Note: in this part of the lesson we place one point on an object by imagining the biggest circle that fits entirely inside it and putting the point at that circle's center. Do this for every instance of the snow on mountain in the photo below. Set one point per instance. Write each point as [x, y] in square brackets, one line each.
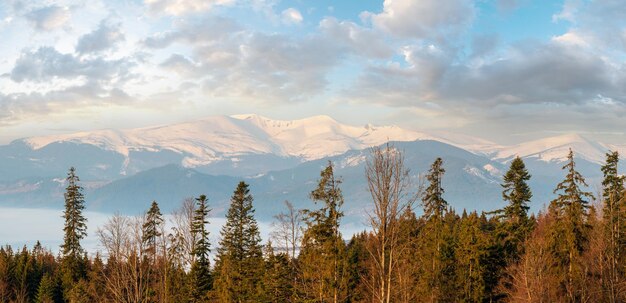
[220, 137]
[555, 149]
[229, 138]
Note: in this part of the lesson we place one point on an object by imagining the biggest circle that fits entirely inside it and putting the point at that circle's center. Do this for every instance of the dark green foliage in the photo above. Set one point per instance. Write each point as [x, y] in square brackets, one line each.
[75, 229]
[570, 232]
[152, 230]
[614, 231]
[323, 250]
[239, 263]
[434, 204]
[75, 223]
[567, 254]
[200, 276]
[357, 256]
[47, 290]
[278, 278]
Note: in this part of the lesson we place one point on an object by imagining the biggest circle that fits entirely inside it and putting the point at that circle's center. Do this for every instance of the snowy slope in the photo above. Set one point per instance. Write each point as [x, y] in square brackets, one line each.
[217, 138]
[555, 149]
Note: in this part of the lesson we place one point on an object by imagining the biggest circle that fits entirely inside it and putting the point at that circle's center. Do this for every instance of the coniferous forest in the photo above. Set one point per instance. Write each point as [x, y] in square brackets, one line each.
[417, 248]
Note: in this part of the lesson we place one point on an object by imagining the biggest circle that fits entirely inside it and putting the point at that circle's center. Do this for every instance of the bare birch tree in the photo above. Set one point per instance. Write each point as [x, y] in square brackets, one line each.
[389, 184]
[288, 229]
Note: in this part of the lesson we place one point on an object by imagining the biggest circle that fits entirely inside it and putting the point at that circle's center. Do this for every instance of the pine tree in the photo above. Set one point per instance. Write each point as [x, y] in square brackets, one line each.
[47, 290]
[278, 277]
[569, 234]
[434, 204]
[73, 267]
[516, 192]
[322, 246]
[75, 223]
[471, 256]
[150, 233]
[152, 230]
[614, 224]
[239, 263]
[436, 243]
[201, 280]
[513, 225]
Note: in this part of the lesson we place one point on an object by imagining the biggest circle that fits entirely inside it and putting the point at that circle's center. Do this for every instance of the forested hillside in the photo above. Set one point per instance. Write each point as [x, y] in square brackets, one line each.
[574, 250]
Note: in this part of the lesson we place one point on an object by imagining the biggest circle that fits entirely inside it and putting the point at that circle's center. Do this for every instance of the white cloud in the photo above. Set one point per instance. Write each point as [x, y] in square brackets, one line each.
[568, 12]
[292, 16]
[49, 18]
[356, 39]
[182, 7]
[103, 38]
[424, 18]
[572, 37]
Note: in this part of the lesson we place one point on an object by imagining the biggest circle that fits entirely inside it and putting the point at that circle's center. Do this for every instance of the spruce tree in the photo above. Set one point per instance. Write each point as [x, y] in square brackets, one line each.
[471, 256]
[513, 225]
[239, 263]
[278, 277]
[436, 243]
[200, 275]
[73, 267]
[614, 224]
[152, 230]
[322, 246]
[569, 234]
[75, 223]
[434, 204]
[46, 290]
[150, 233]
[516, 192]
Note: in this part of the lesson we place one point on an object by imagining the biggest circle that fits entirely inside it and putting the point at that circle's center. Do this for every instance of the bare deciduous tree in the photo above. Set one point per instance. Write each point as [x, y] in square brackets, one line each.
[126, 275]
[389, 184]
[183, 239]
[288, 229]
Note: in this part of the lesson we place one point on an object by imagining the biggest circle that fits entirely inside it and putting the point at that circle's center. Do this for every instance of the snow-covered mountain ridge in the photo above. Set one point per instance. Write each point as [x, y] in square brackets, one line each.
[222, 137]
[227, 138]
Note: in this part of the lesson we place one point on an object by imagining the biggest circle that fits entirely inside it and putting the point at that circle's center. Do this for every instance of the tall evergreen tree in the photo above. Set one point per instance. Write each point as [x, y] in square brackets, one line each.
[614, 225]
[73, 267]
[75, 223]
[513, 225]
[152, 230]
[46, 290]
[322, 246]
[201, 280]
[239, 263]
[516, 192]
[150, 233]
[434, 204]
[278, 277]
[471, 256]
[569, 234]
[437, 242]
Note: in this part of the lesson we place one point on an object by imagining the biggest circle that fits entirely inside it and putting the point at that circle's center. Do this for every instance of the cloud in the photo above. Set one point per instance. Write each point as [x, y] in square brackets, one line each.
[269, 69]
[182, 7]
[291, 16]
[103, 38]
[425, 18]
[205, 30]
[48, 18]
[483, 45]
[508, 5]
[247, 65]
[17, 106]
[356, 39]
[46, 63]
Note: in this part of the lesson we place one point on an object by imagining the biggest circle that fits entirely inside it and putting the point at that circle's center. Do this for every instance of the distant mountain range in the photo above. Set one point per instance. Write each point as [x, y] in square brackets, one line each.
[124, 170]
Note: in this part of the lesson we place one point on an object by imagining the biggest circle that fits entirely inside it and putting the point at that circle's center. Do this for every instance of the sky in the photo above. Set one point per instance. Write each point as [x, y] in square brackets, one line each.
[504, 70]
